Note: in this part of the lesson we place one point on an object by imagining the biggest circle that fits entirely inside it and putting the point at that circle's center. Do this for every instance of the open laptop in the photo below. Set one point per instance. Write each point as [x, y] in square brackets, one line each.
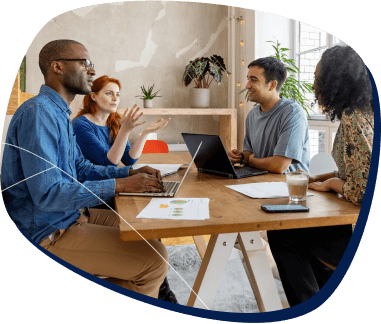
[212, 157]
[171, 187]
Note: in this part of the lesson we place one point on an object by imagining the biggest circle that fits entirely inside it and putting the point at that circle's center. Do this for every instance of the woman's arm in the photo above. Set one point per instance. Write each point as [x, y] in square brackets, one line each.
[358, 136]
[128, 123]
[357, 157]
[334, 184]
[137, 148]
[321, 177]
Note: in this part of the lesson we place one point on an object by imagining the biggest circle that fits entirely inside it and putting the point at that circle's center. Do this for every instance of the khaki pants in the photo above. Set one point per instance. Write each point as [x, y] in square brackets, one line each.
[93, 245]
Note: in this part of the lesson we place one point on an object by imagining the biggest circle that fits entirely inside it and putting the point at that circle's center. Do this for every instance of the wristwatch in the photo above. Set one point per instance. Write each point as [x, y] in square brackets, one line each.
[243, 158]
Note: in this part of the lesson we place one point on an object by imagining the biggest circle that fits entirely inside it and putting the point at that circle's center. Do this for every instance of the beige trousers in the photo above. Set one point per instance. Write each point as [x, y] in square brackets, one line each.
[93, 245]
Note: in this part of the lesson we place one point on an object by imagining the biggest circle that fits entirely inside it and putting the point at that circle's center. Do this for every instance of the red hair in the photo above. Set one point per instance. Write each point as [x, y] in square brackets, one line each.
[90, 106]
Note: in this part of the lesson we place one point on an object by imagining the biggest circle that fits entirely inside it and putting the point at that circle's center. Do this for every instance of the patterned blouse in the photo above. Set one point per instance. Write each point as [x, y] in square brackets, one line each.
[352, 152]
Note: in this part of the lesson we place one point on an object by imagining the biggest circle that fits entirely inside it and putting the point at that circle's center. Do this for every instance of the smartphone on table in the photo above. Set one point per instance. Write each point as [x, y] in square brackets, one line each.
[285, 208]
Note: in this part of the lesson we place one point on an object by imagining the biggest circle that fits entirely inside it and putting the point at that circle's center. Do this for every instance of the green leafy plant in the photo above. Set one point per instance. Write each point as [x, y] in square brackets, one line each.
[147, 94]
[292, 88]
[204, 70]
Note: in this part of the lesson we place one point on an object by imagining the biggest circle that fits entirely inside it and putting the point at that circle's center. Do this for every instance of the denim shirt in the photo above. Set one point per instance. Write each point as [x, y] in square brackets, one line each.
[45, 154]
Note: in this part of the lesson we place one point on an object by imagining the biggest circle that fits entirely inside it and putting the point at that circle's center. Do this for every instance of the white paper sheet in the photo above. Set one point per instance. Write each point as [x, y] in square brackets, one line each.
[180, 209]
[264, 189]
[165, 169]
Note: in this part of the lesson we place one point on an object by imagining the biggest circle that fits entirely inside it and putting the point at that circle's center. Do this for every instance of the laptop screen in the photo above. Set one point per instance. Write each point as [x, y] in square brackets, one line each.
[212, 154]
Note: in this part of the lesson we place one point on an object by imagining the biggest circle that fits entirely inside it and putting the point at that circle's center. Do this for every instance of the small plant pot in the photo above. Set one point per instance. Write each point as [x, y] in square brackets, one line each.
[199, 98]
[147, 103]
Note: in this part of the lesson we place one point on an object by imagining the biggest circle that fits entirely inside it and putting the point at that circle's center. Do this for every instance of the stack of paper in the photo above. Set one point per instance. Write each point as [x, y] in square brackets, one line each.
[180, 208]
[264, 189]
[165, 169]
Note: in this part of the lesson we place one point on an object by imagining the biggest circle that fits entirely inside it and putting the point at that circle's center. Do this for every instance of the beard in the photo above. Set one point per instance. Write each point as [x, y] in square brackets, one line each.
[77, 84]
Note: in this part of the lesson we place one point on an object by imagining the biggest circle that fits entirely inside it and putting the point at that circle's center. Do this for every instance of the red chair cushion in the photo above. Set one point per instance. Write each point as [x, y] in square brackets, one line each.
[154, 146]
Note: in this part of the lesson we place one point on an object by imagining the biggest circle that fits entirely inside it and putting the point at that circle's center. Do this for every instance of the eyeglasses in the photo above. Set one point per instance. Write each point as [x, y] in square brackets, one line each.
[87, 62]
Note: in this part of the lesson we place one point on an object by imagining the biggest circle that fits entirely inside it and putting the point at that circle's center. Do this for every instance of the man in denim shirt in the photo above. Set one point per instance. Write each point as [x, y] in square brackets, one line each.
[42, 150]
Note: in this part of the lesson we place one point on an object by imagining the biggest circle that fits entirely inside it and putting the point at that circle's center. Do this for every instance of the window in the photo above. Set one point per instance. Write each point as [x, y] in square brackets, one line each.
[310, 44]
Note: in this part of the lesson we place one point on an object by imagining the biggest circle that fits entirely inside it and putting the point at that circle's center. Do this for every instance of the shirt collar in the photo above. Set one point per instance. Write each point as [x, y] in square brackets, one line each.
[56, 98]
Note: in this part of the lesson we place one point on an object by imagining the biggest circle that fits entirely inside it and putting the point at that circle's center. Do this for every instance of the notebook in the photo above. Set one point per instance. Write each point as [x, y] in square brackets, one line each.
[212, 157]
[171, 187]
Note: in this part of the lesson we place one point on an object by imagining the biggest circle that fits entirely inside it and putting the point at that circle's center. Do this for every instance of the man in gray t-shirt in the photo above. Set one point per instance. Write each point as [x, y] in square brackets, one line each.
[276, 136]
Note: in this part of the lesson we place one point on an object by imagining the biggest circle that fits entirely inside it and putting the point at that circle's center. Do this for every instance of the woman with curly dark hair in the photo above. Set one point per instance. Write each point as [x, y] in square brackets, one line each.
[343, 88]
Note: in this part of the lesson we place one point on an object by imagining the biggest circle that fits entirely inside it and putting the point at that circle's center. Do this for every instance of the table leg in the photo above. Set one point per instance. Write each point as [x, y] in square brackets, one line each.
[212, 268]
[259, 272]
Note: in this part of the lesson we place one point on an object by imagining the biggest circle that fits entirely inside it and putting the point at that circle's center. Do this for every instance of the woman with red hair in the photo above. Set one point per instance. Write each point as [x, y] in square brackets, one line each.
[102, 133]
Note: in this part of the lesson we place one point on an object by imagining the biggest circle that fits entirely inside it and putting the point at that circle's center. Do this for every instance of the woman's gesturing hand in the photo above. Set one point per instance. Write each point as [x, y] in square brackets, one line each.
[130, 118]
[155, 126]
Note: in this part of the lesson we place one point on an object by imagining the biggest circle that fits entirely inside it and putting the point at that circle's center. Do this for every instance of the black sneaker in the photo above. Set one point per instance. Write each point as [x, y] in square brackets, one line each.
[165, 293]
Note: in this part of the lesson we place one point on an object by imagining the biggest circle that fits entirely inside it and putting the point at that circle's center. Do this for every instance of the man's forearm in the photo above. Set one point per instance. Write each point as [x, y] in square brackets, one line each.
[274, 164]
[246, 155]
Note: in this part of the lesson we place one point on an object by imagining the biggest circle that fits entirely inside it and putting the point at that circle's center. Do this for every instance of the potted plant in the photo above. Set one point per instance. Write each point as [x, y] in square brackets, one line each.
[292, 88]
[203, 71]
[148, 96]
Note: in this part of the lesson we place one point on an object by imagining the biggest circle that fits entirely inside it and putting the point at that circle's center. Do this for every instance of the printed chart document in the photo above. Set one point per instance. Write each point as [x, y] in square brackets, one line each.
[181, 209]
[264, 189]
[165, 169]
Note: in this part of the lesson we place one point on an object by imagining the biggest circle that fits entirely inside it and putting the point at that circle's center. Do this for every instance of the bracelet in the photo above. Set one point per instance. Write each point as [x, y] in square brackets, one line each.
[243, 158]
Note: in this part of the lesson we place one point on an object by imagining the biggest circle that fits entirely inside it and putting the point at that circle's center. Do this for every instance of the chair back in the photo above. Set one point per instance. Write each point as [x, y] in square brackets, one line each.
[322, 163]
[155, 146]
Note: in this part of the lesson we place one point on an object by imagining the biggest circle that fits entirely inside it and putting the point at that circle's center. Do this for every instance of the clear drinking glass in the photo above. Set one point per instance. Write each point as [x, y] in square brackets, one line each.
[297, 184]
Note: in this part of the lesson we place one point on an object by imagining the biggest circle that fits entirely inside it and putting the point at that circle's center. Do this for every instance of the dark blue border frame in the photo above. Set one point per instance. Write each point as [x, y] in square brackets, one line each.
[284, 314]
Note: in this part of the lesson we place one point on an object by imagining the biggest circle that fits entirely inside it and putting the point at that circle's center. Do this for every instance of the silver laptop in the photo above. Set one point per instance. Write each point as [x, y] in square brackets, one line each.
[171, 187]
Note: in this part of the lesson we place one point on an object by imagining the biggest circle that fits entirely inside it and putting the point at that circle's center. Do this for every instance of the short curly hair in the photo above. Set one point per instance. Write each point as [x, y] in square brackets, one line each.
[343, 82]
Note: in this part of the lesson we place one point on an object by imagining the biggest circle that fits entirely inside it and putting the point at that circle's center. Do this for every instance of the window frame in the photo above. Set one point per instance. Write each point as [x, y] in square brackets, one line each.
[330, 42]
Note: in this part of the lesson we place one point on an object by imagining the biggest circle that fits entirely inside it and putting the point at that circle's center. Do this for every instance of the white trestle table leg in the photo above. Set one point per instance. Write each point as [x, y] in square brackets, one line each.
[212, 268]
[259, 272]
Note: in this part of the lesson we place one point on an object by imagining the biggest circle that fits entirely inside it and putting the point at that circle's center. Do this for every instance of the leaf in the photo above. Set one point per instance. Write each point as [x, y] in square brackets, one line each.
[290, 69]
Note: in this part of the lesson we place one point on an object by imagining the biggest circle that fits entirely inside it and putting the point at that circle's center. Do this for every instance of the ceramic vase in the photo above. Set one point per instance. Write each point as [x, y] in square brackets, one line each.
[147, 103]
[199, 98]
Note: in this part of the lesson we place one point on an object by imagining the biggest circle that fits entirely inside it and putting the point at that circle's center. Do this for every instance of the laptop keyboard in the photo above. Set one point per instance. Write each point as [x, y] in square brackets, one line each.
[243, 172]
[169, 186]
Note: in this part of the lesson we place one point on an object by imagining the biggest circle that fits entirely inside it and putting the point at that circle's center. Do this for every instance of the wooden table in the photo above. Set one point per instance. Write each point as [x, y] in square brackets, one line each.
[232, 215]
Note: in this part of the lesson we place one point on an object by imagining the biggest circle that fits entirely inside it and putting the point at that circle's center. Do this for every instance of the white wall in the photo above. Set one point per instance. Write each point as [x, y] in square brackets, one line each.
[144, 43]
[270, 27]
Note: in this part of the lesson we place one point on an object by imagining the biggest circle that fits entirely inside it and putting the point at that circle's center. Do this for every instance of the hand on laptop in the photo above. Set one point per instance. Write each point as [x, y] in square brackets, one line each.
[141, 182]
[148, 170]
[235, 156]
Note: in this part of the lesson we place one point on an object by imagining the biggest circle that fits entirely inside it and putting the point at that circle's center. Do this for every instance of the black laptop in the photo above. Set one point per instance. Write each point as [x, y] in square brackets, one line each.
[212, 157]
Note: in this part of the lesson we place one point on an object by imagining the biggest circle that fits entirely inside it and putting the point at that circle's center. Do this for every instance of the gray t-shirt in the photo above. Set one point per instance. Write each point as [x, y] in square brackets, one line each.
[283, 131]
